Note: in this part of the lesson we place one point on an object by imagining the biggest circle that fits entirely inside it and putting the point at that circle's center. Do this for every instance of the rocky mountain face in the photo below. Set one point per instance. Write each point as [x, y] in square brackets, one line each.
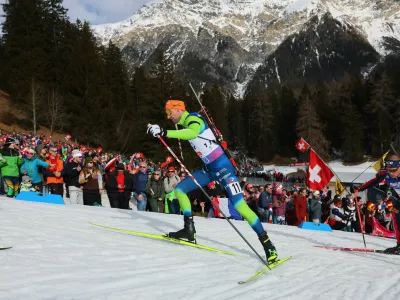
[228, 41]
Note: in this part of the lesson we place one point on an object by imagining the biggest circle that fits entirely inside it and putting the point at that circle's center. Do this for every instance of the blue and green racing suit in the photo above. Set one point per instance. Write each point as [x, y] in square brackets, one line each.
[218, 167]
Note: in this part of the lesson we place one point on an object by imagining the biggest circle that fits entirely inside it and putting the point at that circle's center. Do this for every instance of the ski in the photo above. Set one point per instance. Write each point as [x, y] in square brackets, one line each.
[270, 266]
[5, 248]
[354, 250]
[165, 238]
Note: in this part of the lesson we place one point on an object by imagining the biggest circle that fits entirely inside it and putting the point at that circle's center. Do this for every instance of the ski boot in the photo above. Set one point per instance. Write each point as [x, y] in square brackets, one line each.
[269, 247]
[187, 233]
[393, 250]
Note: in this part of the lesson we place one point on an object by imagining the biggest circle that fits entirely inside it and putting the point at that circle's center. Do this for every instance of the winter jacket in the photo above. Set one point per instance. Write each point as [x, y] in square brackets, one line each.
[169, 181]
[93, 182]
[27, 187]
[72, 174]
[155, 189]
[32, 167]
[300, 207]
[265, 200]
[10, 163]
[337, 213]
[139, 182]
[278, 205]
[315, 208]
[112, 185]
[350, 212]
[58, 167]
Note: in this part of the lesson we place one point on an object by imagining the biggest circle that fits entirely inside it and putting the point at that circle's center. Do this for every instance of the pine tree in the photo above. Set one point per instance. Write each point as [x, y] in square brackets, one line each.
[309, 126]
[235, 130]
[381, 106]
[24, 38]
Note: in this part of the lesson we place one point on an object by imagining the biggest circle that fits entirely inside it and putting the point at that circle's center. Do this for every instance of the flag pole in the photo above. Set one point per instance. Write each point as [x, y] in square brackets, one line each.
[358, 211]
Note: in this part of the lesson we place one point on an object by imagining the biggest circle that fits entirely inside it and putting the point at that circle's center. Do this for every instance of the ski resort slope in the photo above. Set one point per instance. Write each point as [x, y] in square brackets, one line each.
[57, 254]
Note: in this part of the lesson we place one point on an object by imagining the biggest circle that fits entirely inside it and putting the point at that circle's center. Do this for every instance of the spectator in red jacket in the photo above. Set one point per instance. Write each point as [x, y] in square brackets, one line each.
[300, 206]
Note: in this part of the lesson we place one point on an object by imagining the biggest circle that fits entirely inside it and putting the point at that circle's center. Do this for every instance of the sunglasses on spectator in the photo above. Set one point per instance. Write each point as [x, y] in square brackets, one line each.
[142, 166]
[53, 150]
[155, 174]
[171, 171]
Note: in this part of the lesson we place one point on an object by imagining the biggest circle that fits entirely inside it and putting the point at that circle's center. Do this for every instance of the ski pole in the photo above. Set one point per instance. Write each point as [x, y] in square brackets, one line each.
[359, 218]
[208, 197]
[179, 143]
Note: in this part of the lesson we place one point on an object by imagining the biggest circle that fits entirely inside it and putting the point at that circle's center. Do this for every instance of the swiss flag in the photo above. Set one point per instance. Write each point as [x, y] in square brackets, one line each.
[302, 145]
[318, 174]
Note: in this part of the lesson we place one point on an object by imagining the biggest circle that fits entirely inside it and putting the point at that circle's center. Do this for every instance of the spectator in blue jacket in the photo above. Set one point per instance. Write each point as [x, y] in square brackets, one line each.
[31, 166]
[265, 203]
[139, 186]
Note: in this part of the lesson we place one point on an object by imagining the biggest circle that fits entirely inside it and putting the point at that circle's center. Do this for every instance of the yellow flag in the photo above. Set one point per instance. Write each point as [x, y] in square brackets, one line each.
[339, 188]
[379, 163]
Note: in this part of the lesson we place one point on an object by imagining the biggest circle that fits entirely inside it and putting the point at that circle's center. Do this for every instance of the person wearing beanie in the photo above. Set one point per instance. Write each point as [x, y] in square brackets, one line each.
[26, 184]
[218, 167]
[316, 207]
[31, 167]
[92, 183]
[170, 182]
[55, 181]
[139, 186]
[9, 165]
[156, 192]
[73, 169]
[119, 187]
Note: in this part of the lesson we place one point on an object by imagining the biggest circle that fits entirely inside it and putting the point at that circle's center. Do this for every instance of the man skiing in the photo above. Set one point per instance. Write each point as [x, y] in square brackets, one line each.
[391, 177]
[217, 167]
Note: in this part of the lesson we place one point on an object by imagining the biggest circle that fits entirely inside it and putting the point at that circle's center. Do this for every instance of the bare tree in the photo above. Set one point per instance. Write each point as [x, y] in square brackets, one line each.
[35, 103]
[55, 107]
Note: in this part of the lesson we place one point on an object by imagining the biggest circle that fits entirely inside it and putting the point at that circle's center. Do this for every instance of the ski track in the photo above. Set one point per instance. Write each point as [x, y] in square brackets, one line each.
[57, 254]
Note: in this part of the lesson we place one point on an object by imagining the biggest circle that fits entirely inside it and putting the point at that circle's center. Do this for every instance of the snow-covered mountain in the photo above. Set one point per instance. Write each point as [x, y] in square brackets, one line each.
[236, 36]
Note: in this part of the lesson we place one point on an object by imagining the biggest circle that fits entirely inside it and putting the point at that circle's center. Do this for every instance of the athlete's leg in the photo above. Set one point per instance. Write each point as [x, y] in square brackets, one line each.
[235, 195]
[187, 185]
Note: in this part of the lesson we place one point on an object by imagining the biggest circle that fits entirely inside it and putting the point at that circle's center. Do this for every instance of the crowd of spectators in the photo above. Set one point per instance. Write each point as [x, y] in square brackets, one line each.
[81, 175]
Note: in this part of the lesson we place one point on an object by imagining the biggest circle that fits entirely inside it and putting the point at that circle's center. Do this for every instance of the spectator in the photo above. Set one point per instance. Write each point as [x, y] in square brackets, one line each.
[300, 206]
[278, 204]
[119, 187]
[350, 215]
[10, 164]
[316, 208]
[91, 180]
[73, 170]
[337, 219]
[170, 182]
[26, 184]
[55, 181]
[31, 167]
[139, 186]
[264, 203]
[250, 197]
[155, 190]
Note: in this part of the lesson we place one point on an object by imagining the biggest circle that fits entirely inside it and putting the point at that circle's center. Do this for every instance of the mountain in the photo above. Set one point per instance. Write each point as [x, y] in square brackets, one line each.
[57, 254]
[226, 41]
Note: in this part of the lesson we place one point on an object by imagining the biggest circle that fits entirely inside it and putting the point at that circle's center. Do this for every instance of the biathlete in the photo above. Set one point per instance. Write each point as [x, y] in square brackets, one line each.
[391, 177]
[217, 167]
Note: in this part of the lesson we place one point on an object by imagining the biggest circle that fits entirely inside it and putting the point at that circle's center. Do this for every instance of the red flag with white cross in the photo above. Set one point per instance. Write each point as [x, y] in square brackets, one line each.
[302, 145]
[318, 174]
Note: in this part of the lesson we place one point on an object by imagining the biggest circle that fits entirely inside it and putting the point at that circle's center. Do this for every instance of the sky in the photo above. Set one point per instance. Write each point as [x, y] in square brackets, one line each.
[99, 11]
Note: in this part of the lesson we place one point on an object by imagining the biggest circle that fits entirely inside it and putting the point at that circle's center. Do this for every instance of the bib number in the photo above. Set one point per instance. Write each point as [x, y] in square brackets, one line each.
[235, 188]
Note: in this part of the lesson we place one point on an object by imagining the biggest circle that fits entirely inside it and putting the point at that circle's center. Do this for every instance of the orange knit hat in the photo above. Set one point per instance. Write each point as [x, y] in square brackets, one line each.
[175, 104]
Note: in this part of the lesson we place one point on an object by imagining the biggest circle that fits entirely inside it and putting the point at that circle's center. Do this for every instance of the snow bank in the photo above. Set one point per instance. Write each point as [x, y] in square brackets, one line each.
[58, 255]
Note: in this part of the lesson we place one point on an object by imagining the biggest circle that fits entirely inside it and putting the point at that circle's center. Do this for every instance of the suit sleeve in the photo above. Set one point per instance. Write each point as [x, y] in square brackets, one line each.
[191, 132]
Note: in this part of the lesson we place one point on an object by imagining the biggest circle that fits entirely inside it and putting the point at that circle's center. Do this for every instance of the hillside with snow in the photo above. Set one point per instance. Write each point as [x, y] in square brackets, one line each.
[57, 254]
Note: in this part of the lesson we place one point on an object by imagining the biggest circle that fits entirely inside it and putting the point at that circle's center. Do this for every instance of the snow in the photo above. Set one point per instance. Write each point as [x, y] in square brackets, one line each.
[57, 254]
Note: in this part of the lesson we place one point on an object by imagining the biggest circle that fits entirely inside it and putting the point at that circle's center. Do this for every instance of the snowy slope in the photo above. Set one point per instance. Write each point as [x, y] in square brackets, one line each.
[58, 255]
